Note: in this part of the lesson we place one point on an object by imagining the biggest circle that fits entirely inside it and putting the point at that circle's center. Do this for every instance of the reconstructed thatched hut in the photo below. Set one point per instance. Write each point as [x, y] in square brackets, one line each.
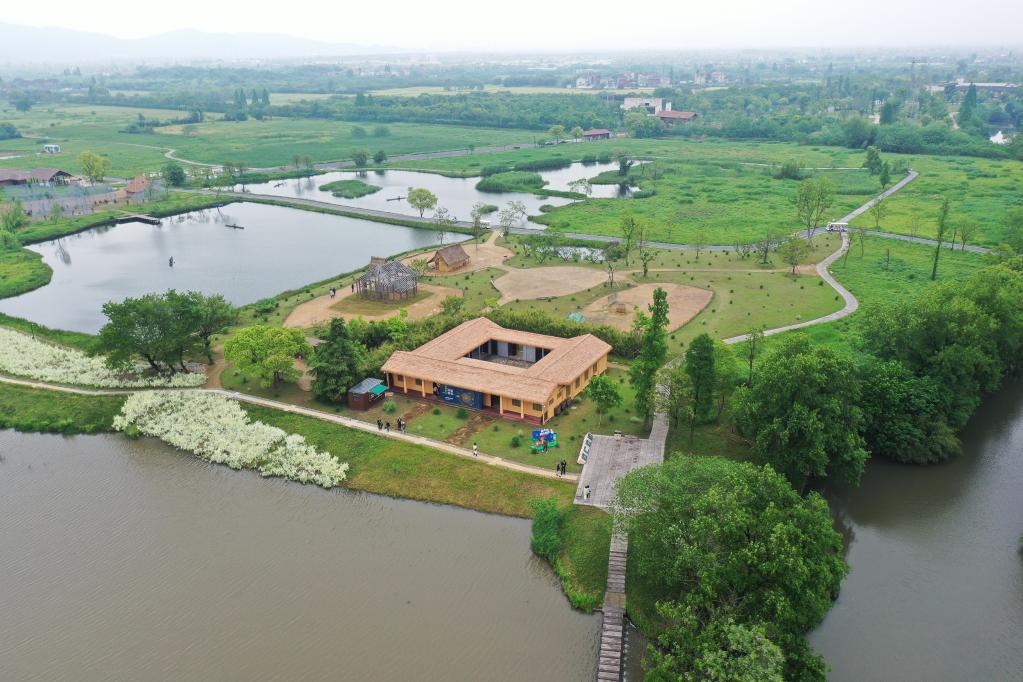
[388, 281]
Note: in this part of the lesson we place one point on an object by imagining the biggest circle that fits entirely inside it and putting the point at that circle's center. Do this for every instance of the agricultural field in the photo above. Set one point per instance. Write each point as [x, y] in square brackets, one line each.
[259, 144]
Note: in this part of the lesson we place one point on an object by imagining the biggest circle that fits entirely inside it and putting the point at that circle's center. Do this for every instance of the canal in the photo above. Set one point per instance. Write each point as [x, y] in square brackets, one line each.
[129, 560]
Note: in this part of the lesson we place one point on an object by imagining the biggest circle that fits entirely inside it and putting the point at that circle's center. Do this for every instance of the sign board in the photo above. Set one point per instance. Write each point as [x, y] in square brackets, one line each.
[584, 451]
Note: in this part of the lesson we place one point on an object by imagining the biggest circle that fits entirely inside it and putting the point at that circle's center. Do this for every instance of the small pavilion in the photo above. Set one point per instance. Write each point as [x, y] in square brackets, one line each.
[388, 281]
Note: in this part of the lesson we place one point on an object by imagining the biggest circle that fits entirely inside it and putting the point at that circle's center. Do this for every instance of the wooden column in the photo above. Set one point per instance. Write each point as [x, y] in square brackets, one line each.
[500, 404]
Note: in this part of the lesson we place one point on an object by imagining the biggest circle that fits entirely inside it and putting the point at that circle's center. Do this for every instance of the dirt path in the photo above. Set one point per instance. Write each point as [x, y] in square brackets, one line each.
[475, 423]
[481, 256]
[321, 309]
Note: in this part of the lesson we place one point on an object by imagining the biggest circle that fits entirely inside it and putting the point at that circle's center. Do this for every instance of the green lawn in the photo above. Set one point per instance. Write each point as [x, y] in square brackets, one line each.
[350, 189]
[398, 469]
[582, 567]
[888, 270]
[28, 409]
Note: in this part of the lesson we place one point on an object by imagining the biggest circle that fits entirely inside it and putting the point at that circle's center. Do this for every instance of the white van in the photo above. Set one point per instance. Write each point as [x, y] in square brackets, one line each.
[838, 227]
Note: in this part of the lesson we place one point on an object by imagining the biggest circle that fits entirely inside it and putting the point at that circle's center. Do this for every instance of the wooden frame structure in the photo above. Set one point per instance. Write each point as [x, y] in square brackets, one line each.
[388, 281]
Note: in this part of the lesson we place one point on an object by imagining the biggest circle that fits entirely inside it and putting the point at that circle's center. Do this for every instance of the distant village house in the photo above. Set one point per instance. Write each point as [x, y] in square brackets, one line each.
[44, 176]
[597, 134]
[670, 118]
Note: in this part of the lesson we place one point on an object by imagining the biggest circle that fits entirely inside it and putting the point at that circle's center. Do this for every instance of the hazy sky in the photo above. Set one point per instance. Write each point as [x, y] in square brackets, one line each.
[547, 25]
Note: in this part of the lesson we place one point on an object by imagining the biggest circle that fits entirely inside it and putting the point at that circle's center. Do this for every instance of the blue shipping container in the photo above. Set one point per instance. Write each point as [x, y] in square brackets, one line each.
[462, 397]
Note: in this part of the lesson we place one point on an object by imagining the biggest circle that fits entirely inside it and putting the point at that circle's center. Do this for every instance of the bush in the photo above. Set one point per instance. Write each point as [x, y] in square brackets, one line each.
[516, 441]
[462, 413]
[547, 520]
[390, 407]
[265, 306]
[435, 411]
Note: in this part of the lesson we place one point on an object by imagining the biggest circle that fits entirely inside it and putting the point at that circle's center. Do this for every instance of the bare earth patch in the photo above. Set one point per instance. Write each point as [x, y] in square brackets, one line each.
[619, 309]
[533, 283]
[482, 256]
[322, 308]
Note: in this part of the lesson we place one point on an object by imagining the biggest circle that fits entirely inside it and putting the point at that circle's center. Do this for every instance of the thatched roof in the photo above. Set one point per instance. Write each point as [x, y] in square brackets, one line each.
[390, 276]
[453, 255]
[443, 361]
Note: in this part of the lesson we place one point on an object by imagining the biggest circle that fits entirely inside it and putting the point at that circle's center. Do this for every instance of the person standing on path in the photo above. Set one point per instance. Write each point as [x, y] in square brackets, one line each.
[387, 427]
[557, 469]
[380, 425]
[475, 450]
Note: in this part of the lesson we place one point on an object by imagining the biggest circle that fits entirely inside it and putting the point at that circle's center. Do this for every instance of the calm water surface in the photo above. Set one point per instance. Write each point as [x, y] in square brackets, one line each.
[935, 591]
[127, 560]
[455, 194]
[279, 249]
[936, 587]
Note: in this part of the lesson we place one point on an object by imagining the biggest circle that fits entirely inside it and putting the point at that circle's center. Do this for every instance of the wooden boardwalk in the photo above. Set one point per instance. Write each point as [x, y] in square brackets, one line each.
[612, 626]
[610, 458]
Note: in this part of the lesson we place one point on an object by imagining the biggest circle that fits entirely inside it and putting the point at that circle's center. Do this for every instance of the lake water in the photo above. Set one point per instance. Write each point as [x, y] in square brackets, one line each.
[457, 195]
[936, 587]
[128, 560]
[279, 249]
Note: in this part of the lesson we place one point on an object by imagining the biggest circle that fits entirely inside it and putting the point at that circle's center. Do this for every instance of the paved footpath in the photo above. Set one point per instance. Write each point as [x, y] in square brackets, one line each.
[315, 414]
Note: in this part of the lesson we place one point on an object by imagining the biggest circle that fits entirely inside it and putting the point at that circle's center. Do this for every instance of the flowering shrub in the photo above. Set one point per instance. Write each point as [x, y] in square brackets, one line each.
[24, 356]
[218, 429]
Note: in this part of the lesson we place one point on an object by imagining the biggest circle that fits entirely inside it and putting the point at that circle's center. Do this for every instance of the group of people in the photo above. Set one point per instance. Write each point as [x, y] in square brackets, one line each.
[386, 426]
[561, 468]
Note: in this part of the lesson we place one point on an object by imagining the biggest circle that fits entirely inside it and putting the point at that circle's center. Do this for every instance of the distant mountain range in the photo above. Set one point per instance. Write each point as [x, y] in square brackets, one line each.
[29, 44]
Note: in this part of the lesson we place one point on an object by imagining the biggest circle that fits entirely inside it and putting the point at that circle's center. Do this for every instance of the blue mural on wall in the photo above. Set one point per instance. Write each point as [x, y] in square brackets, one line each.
[462, 397]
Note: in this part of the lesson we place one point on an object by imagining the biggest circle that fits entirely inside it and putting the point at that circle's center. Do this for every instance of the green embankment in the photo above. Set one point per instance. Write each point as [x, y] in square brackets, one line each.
[27, 409]
[22, 271]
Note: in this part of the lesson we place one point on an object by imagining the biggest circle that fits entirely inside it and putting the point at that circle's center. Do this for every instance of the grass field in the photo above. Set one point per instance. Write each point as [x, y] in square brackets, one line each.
[267, 143]
[22, 270]
[406, 470]
[982, 190]
[28, 409]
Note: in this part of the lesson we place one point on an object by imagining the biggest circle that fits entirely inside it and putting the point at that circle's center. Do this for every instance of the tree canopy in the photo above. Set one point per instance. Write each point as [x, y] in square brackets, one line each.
[336, 362]
[802, 414]
[267, 353]
[718, 544]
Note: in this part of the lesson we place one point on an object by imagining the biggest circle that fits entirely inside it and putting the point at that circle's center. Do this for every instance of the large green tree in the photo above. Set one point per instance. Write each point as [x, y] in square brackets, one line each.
[603, 391]
[422, 200]
[143, 327]
[699, 365]
[715, 543]
[336, 362]
[903, 414]
[94, 166]
[653, 352]
[813, 200]
[267, 353]
[802, 415]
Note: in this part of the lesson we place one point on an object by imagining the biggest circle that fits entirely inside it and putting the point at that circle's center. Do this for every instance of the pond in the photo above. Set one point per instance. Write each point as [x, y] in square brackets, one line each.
[279, 249]
[129, 560]
[457, 195]
[936, 586]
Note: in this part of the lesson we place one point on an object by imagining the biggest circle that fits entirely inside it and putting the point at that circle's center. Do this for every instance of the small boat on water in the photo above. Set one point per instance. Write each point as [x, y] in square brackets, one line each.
[235, 227]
